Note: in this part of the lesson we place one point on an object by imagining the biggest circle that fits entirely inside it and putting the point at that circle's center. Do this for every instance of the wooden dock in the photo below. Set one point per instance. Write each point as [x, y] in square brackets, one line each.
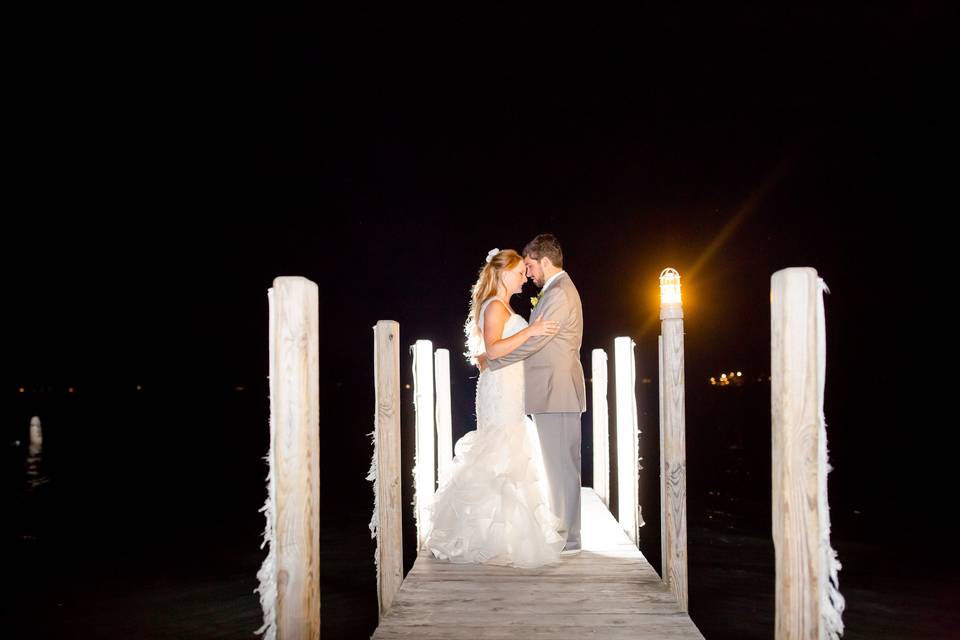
[607, 591]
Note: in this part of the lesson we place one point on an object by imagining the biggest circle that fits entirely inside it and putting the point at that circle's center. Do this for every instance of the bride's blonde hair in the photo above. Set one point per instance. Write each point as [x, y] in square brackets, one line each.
[483, 288]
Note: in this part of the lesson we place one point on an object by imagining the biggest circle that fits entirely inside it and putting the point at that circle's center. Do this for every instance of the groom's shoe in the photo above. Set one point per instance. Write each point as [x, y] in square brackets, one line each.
[572, 549]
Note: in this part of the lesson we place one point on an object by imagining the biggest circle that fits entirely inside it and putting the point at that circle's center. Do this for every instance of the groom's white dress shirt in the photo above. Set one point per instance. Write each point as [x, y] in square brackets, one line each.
[551, 279]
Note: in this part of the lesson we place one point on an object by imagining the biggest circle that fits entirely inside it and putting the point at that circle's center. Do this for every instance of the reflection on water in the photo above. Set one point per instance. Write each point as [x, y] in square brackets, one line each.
[35, 476]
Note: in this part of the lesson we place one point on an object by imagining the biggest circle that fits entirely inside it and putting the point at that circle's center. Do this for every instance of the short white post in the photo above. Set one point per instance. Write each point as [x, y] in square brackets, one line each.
[808, 603]
[290, 576]
[628, 443]
[672, 437]
[441, 365]
[663, 471]
[424, 470]
[601, 426]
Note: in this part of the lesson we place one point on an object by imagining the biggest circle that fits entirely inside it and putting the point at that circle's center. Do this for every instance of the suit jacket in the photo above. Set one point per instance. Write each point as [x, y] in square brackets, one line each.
[552, 371]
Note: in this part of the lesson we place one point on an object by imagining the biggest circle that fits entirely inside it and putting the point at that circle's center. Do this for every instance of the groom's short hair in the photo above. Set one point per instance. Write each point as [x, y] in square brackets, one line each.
[545, 245]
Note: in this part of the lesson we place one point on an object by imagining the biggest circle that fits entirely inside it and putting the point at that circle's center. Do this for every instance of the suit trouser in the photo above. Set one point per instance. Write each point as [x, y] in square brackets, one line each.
[560, 443]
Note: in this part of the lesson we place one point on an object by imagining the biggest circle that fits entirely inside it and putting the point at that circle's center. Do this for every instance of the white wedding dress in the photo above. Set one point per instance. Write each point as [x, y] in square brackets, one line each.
[492, 505]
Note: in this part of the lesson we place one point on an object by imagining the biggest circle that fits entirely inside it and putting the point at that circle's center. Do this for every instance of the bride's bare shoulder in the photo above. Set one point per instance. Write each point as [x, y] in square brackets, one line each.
[496, 312]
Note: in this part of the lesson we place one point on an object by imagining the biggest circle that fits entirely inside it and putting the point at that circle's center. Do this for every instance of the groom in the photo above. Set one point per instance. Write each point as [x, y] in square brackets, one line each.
[555, 389]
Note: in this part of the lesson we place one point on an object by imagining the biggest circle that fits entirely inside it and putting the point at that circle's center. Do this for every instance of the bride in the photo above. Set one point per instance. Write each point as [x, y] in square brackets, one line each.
[492, 505]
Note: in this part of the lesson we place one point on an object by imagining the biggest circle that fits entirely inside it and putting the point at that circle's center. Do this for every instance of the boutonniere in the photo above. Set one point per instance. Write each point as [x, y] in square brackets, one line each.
[535, 299]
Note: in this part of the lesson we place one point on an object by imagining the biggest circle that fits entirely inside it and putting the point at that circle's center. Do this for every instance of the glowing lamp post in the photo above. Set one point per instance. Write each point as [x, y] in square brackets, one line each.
[670, 292]
[673, 459]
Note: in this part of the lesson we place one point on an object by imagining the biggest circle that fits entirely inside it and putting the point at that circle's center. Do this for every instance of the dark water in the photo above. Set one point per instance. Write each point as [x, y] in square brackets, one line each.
[139, 517]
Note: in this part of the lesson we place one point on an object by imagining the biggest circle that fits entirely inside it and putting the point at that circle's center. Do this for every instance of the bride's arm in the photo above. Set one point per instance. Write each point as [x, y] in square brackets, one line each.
[555, 305]
[495, 317]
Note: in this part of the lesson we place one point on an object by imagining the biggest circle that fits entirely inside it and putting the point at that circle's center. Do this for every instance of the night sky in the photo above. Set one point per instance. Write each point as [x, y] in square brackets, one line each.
[383, 153]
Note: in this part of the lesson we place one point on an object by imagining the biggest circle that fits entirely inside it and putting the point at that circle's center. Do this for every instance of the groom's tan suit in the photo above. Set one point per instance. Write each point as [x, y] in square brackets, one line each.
[555, 395]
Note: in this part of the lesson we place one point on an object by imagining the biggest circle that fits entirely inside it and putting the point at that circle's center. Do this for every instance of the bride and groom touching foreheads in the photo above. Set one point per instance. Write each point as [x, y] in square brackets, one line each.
[512, 494]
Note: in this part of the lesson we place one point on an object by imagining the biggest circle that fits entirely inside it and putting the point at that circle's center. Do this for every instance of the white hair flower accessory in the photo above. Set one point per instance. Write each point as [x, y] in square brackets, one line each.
[492, 253]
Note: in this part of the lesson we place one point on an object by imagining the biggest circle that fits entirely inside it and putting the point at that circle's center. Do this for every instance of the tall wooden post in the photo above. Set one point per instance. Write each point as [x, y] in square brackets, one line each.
[290, 575]
[808, 603]
[387, 524]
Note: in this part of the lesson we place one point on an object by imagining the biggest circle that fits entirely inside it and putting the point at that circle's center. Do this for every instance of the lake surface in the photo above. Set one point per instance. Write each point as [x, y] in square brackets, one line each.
[138, 517]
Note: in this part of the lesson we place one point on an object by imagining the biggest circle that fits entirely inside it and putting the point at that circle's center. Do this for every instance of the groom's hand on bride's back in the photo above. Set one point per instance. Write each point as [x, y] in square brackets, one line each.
[544, 327]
